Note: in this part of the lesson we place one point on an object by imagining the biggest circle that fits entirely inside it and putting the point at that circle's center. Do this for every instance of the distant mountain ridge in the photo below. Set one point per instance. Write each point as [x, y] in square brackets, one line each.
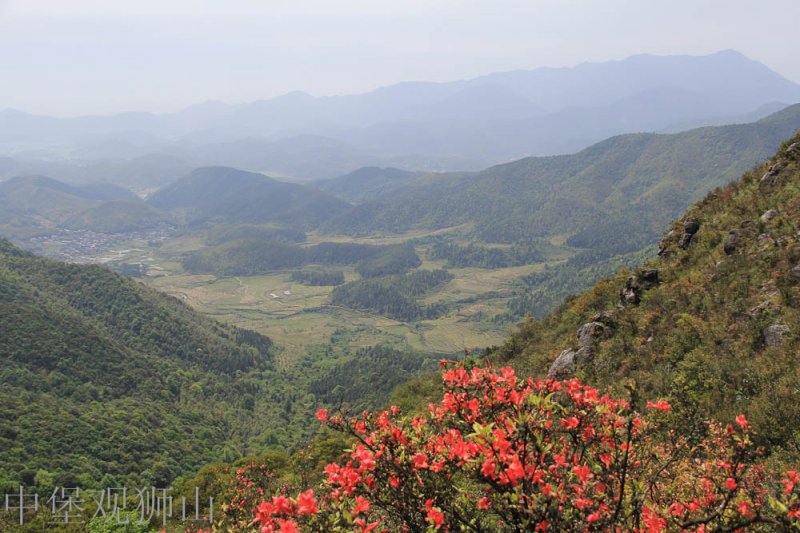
[641, 179]
[460, 125]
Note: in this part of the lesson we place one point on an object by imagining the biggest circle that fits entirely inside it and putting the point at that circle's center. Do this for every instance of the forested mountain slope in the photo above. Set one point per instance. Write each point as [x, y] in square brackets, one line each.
[367, 183]
[38, 204]
[595, 196]
[103, 378]
[226, 194]
[713, 323]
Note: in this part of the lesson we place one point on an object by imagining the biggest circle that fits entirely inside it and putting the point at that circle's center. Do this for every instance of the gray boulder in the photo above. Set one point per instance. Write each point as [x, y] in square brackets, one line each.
[564, 365]
[690, 228]
[732, 242]
[606, 318]
[769, 177]
[631, 292]
[648, 278]
[775, 335]
[587, 333]
[769, 215]
[570, 359]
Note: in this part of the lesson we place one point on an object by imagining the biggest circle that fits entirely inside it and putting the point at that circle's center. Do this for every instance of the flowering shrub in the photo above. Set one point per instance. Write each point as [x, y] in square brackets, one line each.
[249, 483]
[500, 453]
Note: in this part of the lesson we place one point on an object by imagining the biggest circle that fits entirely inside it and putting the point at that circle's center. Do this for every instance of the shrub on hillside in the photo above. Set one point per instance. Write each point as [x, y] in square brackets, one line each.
[500, 453]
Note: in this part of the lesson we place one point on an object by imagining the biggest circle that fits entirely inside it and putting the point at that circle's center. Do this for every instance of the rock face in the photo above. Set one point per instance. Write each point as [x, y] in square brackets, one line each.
[769, 177]
[564, 365]
[587, 333]
[607, 318]
[570, 359]
[631, 292]
[775, 334]
[758, 310]
[648, 278]
[690, 228]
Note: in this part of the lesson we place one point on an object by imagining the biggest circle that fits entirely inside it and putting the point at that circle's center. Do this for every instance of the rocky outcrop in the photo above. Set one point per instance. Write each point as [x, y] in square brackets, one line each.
[769, 177]
[760, 309]
[737, 237]
[607, 318]
[775, 335]
[631, 292]
[588, 334]
[731, 243]
[795, 271]
[564, 365]
[769, 215]
[690, 228]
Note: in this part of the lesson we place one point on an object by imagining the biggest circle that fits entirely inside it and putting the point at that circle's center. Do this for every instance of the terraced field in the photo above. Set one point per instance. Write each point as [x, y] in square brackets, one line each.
[299, 317]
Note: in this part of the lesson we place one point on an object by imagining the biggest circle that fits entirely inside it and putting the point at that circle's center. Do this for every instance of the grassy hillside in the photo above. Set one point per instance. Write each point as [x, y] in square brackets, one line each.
[717, 333]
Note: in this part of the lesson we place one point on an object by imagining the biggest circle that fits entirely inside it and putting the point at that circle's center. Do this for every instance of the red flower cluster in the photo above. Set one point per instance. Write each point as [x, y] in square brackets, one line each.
[503, 453]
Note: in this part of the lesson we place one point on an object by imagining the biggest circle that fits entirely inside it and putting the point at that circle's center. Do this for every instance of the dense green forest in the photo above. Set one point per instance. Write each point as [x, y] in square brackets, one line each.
[222, 233]
[250, 257]
[107, 382]
[373, 370]
[396, 259]
[394, 296]
[367, 183]
[31, 205]
[101, 376]
[318, 277]
[228, 195]
[474, 255]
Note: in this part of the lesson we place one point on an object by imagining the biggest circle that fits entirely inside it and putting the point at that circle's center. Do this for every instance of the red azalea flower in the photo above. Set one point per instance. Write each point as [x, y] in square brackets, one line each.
[306, 503]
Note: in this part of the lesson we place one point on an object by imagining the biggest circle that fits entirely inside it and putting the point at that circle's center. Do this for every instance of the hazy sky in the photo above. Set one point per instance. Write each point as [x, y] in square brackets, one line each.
[70, 57]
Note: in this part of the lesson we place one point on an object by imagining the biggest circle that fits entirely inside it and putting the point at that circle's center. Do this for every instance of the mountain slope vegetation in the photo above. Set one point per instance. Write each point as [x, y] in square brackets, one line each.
[712, 324]
[367, 183]
[254, 256]
[225, 194]
[638, 180]
[105, 377]
[31, 204]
